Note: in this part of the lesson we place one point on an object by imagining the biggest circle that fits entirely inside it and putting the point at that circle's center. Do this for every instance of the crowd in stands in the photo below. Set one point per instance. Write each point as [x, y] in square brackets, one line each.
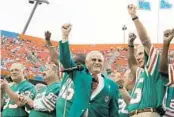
[34, 56]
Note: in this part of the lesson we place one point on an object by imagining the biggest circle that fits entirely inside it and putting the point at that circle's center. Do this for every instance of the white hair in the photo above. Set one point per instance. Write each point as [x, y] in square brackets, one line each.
[88, 56]
[19, 65]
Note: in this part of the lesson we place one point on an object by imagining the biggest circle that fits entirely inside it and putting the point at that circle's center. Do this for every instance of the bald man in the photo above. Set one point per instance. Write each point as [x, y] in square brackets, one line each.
[13, 106]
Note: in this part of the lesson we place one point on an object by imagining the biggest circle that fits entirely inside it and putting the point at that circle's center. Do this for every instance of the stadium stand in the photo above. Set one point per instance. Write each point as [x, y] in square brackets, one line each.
[32, 52]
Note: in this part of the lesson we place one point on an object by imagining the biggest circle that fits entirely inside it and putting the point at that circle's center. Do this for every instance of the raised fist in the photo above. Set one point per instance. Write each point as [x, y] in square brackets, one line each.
[132, 10]
[66, 28]
[132, 37]
[47, 35]
[168, 36]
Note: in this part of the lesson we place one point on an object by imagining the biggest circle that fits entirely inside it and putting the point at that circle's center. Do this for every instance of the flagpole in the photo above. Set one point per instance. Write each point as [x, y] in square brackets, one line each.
[124, 28]
[158, 24]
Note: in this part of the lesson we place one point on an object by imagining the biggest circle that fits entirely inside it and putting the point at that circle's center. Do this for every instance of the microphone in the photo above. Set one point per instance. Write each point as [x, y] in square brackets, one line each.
[78, 68]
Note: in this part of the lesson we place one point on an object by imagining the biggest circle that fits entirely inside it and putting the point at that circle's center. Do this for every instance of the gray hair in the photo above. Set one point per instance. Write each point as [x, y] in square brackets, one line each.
[94, 52]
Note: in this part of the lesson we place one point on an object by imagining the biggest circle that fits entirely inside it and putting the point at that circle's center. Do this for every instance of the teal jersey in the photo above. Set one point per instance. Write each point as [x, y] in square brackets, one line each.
[82, 82]
[149, 88]
[10, 108]
[171, 75]
[123, 110]
[45, 101]
[169, 97]
[65, 98]
[169, 102]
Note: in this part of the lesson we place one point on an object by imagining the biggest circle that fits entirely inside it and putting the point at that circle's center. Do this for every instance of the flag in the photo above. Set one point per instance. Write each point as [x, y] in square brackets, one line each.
[165, 5]
[144, 5]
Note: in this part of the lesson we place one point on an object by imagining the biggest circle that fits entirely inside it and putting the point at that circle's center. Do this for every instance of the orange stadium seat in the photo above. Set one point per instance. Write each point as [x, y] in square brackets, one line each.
[33, 50]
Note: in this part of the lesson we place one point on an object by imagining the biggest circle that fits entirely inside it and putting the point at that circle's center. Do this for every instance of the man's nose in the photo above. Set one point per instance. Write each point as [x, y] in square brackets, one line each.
[97, 61]
[138, 57]
[13, 72]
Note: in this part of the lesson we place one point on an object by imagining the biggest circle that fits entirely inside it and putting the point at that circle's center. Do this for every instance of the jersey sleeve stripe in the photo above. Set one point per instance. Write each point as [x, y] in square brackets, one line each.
[151, 50]
[47, 104]
[171, 75]
[152, 60]
[169, 113]
[50, 102]
[138, 73]
[150, 55]
[153, 64]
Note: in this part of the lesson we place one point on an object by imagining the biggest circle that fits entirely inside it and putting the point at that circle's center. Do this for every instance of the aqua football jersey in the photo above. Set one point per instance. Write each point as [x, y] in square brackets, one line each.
[45, 101]
[123, 110]
[149, 88]
[10, 108]
[171, 75]
[169, 97]
[169, 102]
[65, 98]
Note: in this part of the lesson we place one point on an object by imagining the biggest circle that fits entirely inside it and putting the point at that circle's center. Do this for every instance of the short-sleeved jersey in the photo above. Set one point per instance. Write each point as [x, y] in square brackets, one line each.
[65, 99]
[169, 97]
[45, 101]
[169, 102]
[10, 108]
[149, 88]
[123, 111]
[171, 75]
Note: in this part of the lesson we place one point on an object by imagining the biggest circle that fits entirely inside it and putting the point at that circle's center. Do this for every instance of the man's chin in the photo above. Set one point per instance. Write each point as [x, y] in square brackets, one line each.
[14, 78]
[142, 66]
[45, 80]
[96, 72]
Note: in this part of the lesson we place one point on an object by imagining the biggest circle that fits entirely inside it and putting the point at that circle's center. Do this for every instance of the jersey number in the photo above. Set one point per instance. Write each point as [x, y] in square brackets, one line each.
[172, 104]
[67, 93]
[122, 106]
[137, 93]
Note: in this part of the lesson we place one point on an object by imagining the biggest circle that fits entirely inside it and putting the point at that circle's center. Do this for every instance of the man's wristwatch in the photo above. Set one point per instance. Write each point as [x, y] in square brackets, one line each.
[131, 45]
[120, 86]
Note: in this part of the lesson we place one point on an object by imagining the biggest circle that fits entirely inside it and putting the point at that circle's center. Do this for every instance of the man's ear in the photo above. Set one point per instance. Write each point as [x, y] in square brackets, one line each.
[86, 62]
[25, 73]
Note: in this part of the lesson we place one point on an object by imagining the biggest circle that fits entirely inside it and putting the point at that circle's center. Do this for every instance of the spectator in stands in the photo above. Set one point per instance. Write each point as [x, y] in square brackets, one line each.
[85, 101]
[12, 105]
[45, 102]
[167, 71]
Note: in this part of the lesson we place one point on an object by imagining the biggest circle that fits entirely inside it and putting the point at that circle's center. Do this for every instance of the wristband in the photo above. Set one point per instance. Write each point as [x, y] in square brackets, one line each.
[131, 46]
[134, 18]
[120, 86]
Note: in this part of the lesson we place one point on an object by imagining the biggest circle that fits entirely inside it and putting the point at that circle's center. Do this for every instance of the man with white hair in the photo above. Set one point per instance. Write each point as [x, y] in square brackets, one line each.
[13, 106]
[94, 95]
